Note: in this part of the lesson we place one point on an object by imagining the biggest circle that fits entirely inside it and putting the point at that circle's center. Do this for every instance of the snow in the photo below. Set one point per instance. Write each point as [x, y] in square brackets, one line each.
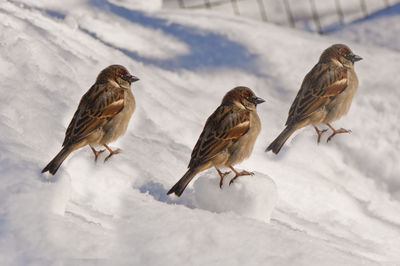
[253, 196]
[331, 14]
[335, 203]
[148, 5]
[369, 31]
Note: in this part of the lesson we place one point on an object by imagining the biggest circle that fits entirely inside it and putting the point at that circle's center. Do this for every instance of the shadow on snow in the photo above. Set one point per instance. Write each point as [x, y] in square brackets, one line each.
[159, 193]
[207, 49]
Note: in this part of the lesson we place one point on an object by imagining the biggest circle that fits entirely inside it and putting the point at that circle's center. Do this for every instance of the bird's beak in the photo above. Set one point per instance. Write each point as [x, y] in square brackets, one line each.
[356, 58]
[133, 79]
[257, 100]
[130, 78]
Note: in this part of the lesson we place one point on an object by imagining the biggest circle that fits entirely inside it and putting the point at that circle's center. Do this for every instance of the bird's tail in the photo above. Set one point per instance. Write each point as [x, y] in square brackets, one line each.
[277, 144]
[180, 186]
[53, 166]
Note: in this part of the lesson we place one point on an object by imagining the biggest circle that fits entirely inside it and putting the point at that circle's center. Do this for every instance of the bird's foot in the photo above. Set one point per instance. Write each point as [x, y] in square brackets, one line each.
[96, 153]
[222, 175]
[320, 132]
[338, 131]
[112, 152]
[237, 174]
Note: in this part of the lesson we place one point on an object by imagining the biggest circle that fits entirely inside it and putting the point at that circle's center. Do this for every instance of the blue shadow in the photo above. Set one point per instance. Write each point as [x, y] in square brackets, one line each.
[159, 193]
[207, 49]
[390, 11]
[393, 10]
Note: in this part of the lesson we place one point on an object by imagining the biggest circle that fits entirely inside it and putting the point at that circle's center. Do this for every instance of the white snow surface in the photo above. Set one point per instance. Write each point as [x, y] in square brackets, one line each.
[253, 197]
[337, 203]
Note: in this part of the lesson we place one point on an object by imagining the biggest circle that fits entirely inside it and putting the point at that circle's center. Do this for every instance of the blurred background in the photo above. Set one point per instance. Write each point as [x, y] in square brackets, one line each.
[312, 15]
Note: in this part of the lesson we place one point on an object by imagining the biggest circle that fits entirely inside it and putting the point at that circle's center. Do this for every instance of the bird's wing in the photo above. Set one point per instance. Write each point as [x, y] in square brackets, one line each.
[320, 86]
[223, 128]
[101, 103]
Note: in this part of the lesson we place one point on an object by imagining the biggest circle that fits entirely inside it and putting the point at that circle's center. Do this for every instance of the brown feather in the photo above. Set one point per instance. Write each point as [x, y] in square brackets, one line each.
[325, 94]
[222, 129]
[101, 103]
[320, 86]
[102, 115]
[227, 138]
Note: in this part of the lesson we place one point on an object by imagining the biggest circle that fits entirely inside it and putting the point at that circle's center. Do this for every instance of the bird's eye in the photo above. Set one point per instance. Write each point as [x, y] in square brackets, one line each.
[348, 56]
[126, 77]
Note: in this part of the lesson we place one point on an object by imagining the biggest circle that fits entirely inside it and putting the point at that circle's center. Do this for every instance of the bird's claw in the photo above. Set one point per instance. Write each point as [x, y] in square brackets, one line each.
[222, 175]
[112, 153]
[319, 133]
[97, 153]
[338, 131]
[244, 172]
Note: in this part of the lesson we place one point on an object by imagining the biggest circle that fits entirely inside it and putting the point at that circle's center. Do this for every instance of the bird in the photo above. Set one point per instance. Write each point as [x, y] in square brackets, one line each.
[227, 138]
[324, 96]
[102, 115]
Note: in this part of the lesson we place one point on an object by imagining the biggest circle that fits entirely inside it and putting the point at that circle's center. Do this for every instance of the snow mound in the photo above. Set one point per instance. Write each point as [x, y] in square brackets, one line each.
[251, 196]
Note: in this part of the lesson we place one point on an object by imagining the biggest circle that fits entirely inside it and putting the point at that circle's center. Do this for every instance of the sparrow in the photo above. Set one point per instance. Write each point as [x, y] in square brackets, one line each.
[227, 139]
[325, 95]
[102, 116]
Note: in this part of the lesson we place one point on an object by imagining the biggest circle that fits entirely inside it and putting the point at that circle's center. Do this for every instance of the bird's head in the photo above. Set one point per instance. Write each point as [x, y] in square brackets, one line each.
[118, 74]
[242, 97]
[340, 53]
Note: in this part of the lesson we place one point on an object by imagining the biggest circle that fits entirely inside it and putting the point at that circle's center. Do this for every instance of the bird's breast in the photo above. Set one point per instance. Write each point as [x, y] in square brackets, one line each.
[341, 104]
[243, 148]
[118, 124]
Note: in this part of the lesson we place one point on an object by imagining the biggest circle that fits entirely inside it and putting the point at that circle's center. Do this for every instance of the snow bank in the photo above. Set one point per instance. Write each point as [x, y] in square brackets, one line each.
[250, 196]
[338, 202]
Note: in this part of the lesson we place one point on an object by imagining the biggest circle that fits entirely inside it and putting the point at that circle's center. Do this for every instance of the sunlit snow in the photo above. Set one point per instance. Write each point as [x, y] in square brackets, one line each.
[335, 203]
